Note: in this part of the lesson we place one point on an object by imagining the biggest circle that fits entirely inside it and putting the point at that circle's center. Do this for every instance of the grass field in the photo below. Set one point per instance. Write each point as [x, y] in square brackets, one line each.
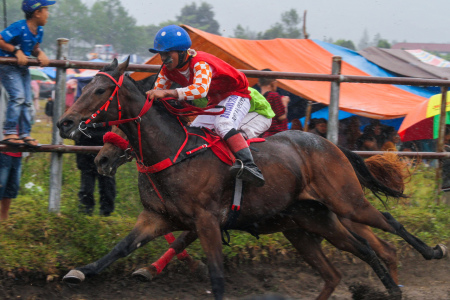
[35, 240]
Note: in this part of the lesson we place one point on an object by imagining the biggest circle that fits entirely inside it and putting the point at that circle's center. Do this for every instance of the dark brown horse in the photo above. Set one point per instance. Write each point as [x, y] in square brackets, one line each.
[299, 168]
[386, 168]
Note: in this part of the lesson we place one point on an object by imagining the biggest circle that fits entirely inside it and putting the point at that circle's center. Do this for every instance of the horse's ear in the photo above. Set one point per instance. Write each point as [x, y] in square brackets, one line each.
[123, 66]
[111, 67]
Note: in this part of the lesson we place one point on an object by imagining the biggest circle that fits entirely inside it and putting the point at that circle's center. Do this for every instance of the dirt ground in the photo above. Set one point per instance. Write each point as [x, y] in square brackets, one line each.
[289, 279]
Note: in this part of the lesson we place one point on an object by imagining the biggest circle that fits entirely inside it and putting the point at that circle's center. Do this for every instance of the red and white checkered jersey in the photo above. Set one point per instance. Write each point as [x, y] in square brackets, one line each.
[198, 89]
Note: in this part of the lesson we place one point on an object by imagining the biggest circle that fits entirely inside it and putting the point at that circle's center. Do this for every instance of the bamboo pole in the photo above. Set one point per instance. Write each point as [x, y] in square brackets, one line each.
[333, 108]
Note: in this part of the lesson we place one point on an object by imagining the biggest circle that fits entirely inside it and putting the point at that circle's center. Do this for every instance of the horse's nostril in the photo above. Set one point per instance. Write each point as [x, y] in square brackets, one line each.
[103, 161]
[67, 123]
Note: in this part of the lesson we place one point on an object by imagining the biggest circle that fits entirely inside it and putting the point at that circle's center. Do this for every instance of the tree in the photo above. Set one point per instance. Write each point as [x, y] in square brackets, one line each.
[383, 44]
[291, 21]
[110, 23]
[364, 42]
[288, 28]
[244, 33]
[201, 17]
[68, 19]
[345, 43]
[13, 12]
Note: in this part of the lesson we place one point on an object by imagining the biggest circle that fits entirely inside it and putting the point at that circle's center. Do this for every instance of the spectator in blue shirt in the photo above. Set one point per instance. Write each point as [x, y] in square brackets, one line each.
[22, 39]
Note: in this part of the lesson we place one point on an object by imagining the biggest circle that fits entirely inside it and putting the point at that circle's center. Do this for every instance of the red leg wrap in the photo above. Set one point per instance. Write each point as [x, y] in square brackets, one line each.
[170, 238]
[162, 262]
[183, 255]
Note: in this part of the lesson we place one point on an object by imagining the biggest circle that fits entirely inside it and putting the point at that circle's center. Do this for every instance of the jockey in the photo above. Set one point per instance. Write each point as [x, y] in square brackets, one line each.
[204, 75]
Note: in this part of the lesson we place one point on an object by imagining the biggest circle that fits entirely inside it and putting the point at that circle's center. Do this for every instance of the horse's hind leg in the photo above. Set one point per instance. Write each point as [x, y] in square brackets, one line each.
[308, 245]
[148, 227]
[328, 226]
[385, 251]
[438, 252]
[365, 213]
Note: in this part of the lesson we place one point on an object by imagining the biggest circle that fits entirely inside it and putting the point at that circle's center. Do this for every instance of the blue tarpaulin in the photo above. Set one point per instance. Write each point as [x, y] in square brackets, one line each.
[358, 61]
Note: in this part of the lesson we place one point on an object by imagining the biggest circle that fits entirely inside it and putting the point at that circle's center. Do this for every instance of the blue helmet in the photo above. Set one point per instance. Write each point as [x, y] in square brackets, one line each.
[28, 6]
[171, 38]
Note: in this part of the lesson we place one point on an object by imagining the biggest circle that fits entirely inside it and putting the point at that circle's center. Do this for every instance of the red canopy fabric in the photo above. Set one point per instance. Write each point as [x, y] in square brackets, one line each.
[380, 101]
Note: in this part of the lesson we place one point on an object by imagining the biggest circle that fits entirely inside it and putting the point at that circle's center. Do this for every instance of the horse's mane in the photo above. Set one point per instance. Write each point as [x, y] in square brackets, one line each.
[143, 85]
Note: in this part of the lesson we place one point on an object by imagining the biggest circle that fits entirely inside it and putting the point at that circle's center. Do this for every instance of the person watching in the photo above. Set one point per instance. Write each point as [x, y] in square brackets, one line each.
[22, 39]
[278, 104]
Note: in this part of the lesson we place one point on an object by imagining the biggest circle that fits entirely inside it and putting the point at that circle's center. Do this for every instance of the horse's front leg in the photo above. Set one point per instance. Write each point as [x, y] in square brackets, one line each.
[208, 230]
[177, 248]
[148, 227]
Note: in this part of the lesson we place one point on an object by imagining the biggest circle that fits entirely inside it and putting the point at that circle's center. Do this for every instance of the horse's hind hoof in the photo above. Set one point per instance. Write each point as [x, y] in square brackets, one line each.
[201, 272]
[443, 249]
[74, 277]
[142, 275]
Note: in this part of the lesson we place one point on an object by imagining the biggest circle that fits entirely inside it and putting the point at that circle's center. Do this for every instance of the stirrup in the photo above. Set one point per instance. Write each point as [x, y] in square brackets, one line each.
[241, 169]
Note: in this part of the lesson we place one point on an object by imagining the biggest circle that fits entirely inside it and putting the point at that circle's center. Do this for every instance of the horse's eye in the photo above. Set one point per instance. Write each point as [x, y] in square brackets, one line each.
[99, 91]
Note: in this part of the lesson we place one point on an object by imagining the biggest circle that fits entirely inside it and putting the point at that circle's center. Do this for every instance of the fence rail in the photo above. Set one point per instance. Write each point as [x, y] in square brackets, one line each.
[76, 64]
[96, 149]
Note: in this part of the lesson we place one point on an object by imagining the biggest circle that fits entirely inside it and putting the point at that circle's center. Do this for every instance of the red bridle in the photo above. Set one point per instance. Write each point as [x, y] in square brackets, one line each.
[107, 103]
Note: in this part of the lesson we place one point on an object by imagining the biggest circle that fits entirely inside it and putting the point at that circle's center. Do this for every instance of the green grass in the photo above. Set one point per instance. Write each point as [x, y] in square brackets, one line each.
[35, 240]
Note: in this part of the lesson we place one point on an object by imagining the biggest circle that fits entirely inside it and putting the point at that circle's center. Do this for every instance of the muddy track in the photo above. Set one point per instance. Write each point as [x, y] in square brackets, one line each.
[292, 279]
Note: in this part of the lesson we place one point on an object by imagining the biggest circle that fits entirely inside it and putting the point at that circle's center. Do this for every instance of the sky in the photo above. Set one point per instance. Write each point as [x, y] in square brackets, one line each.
[400, 20]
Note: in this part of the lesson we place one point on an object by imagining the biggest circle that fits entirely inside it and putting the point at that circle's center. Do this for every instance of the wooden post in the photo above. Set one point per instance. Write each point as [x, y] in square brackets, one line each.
[308, 116]
[333, 109]
[440, 144]
[58, 109]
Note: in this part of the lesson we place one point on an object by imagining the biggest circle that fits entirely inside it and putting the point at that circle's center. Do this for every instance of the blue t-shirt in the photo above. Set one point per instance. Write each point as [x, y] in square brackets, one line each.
[18, 34]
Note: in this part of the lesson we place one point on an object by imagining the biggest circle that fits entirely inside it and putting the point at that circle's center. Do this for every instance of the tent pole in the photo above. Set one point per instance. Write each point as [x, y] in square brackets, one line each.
[333, 117]
[308, 116]
[440, 144]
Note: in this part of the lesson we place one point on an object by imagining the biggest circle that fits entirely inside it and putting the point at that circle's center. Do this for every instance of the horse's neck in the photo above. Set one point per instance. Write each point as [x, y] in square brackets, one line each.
[160, 135]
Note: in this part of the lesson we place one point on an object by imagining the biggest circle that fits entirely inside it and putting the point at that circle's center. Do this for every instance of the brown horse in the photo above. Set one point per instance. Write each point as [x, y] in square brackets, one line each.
[197, 193]
[386, 168]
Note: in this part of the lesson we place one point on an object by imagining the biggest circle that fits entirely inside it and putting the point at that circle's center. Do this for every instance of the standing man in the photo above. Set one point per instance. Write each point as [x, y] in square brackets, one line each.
[89, 175]
[278, 104]
[22, 39]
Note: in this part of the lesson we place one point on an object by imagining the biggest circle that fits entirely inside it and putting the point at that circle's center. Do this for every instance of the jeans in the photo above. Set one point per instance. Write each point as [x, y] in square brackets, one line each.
[17, 82]
[10, 169]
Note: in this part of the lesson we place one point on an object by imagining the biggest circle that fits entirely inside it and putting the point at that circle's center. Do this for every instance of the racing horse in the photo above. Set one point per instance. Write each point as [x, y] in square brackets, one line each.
[195, 195]
[387, 168]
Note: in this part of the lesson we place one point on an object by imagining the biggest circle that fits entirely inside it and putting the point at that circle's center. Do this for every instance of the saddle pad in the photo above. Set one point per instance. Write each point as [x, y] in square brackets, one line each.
[221, 150]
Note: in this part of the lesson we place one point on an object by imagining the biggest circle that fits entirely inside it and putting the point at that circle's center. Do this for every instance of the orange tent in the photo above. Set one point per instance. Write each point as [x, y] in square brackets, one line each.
[380, 101]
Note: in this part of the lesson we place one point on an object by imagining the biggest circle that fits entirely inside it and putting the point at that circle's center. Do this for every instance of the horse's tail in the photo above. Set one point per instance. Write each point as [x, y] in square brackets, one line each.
[383, 175]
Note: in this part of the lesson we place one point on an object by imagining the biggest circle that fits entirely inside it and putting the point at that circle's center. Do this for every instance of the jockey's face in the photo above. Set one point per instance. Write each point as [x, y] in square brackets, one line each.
[172, 62]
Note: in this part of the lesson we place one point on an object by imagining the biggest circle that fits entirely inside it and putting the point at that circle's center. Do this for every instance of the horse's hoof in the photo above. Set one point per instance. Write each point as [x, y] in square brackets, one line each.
[74, 277]
[142, 275]
[201, 271]
[443, 249]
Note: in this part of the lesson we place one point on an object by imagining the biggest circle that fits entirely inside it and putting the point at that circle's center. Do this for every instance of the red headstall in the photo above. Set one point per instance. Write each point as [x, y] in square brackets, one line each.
[107, 103]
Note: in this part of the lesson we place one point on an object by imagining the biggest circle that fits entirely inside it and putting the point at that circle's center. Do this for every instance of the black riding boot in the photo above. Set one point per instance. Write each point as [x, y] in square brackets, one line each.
[244, 168]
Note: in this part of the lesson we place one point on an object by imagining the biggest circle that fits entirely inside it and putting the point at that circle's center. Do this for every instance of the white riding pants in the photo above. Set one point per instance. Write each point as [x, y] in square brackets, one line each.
[236, 116]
